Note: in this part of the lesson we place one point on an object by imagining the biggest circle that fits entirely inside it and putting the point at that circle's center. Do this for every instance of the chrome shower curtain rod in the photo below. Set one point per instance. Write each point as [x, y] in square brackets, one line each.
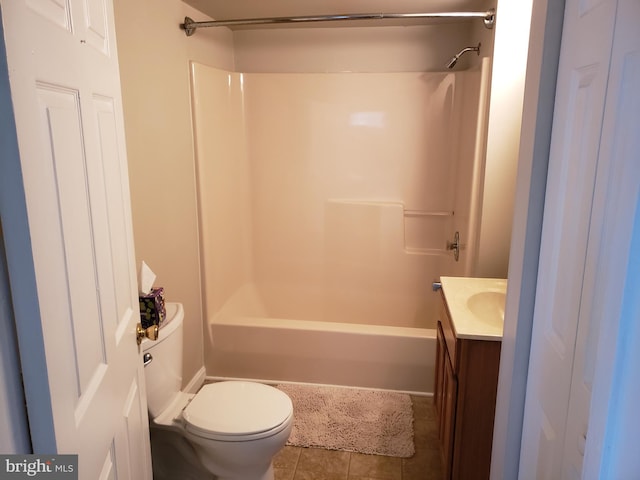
[189, 26]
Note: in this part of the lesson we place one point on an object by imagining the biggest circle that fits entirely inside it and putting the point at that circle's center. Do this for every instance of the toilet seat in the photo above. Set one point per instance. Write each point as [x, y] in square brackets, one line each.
[236, 411]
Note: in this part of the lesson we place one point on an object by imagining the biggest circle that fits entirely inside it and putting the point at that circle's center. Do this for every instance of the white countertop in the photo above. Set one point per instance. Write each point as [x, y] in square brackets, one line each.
[476, 306]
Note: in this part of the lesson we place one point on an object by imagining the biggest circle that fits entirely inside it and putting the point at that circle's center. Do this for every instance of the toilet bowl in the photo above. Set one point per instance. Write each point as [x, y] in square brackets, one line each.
[232, 428]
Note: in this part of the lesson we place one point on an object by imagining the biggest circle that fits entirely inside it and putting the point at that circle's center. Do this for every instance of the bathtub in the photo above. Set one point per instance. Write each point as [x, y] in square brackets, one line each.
[275, 350]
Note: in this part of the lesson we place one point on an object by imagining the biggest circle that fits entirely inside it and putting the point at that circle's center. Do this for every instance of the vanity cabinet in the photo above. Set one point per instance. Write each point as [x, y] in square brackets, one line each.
[465, 397]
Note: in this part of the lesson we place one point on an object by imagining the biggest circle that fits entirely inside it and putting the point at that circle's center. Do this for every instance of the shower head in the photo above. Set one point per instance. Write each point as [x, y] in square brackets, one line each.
[451, 63]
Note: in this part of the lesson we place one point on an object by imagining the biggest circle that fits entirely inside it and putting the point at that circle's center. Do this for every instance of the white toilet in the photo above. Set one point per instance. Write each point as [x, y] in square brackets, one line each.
[231, 430]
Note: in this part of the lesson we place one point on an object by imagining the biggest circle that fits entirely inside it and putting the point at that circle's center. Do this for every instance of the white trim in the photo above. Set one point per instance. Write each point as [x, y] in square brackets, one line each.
[196, 381]
[213, 379]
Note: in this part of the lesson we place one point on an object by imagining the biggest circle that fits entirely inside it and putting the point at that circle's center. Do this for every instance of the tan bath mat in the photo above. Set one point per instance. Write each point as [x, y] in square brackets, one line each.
[351, 419]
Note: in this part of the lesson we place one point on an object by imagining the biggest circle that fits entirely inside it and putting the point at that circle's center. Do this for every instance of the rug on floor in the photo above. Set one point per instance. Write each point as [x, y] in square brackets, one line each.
[351, 419]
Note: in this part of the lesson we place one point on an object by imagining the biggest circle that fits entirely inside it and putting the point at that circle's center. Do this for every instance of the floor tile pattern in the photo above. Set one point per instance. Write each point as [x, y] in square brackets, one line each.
[296, 463]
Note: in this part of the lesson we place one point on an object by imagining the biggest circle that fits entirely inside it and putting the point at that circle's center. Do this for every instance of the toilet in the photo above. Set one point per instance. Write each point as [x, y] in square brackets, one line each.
[231, 429]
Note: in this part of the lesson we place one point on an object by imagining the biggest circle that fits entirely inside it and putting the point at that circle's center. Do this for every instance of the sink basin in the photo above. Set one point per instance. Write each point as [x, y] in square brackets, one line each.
[476, 306]
[488, 307]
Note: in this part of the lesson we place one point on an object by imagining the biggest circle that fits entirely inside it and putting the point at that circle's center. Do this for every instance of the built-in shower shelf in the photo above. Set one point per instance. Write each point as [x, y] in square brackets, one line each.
[426, 213]
[425, 231]
[425, 251]
[354, 227]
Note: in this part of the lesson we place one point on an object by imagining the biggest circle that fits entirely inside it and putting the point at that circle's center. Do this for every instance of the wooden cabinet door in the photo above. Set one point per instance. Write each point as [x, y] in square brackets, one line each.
[449, 400]
[445, 398]
[438, 395]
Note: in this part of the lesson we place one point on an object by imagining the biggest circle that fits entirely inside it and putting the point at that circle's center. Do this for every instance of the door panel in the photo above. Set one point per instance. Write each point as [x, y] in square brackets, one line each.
[57, 11]
[569, 239]
[118, 274]
[66, 95]
[599, 403]
[96, 21]
[60, 117]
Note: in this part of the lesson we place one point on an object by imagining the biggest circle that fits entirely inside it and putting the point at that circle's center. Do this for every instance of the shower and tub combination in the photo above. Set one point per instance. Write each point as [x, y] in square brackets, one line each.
[328, 204]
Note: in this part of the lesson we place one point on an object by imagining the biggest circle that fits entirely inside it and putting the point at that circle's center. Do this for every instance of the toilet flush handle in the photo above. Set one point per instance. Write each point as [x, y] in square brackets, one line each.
[146, 359]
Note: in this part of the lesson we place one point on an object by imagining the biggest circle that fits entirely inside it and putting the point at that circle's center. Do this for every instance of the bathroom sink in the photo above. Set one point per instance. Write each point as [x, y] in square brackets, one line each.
[476, 306]
[488, 307]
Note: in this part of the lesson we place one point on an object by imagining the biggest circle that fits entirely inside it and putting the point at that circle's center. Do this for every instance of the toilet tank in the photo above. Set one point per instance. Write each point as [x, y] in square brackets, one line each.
[163, 375]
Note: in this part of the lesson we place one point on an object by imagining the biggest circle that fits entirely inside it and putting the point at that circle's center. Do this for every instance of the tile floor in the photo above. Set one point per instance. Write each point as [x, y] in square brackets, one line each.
[295, 463]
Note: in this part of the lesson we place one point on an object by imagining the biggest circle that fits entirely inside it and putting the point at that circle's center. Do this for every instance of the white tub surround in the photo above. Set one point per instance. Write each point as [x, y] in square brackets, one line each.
[326, 201]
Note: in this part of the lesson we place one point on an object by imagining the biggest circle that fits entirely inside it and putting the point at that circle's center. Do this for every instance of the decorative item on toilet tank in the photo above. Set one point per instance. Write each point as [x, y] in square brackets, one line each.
[152, 307]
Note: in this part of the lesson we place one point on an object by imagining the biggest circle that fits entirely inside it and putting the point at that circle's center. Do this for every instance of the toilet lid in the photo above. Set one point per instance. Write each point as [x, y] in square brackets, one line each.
[236, 409]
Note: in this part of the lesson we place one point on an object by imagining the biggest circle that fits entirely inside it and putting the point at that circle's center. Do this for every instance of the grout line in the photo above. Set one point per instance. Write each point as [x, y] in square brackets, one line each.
[295, 468]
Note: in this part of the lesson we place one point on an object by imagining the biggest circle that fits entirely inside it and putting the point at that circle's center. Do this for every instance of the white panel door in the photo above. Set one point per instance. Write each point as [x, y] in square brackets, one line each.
[569, 249]
[614, 204]
[65, 89]
[604, 389]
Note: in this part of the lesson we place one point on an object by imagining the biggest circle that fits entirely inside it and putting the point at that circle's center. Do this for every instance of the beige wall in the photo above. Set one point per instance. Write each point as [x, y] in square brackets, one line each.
[154, 68]
[352, 49]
